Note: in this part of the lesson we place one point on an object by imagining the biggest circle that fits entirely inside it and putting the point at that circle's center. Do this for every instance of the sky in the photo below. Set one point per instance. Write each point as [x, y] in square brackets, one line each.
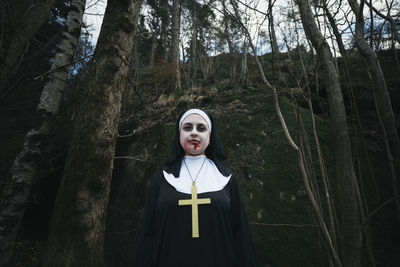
[95, 10]
[93, 17]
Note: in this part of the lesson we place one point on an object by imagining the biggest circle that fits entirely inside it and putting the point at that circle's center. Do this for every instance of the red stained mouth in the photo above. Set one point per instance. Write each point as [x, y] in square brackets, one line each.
[195, 143]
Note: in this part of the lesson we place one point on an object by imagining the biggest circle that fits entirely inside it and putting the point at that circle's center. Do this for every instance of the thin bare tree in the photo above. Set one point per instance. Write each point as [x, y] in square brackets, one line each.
[346, 189]
[333, 24]
[388, 17]
[383, 102]
[271, 27]
[317, 211]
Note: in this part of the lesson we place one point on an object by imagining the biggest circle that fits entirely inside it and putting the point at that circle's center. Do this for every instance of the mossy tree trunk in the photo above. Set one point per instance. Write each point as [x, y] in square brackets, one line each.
[346, 183]
[77, 229]
[25, 165]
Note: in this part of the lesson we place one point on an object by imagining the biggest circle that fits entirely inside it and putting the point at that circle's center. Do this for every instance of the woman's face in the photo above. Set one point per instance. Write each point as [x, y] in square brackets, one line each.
[194, 135]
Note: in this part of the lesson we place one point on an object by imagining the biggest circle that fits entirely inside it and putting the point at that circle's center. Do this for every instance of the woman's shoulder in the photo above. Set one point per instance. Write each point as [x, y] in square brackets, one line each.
[222, 166]
[156, 178]
[232, 184]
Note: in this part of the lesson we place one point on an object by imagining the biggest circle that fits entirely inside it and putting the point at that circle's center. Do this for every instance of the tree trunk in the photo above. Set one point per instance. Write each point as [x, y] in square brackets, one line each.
[202, 63]
[25, 165]
[193, 59]
[384, 105]
[132, 80]
[176, 78]
[78, 224]
[153, 49]
[345, 175]
[226, 28]
[164, 39]
[232, 58]
[335, 29]
[12, 48]
[274, 42]
[243, 69]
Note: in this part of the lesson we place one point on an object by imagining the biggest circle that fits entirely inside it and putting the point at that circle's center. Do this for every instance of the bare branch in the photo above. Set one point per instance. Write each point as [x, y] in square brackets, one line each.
[42, 75]
[387, 17]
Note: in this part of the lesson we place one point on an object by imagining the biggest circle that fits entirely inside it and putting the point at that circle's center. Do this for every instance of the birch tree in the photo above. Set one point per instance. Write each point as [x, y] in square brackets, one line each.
[25, 165]
[346, 189]
[77, 229]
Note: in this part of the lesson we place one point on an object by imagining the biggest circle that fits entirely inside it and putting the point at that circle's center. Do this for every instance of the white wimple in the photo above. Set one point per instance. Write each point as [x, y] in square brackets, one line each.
[209, 179]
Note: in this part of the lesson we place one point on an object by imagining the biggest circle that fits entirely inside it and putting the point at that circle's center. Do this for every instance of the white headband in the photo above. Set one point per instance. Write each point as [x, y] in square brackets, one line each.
[196, 111]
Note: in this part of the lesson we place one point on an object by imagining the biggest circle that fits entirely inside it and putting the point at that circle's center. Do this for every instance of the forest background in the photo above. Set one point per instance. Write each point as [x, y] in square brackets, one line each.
[305, 95]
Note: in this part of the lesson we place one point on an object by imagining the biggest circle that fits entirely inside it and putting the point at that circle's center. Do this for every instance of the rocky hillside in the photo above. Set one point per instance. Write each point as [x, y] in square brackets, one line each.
[265, 166]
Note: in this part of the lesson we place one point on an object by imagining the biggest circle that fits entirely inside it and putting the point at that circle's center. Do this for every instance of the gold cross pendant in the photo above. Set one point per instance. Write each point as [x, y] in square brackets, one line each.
[194, 201]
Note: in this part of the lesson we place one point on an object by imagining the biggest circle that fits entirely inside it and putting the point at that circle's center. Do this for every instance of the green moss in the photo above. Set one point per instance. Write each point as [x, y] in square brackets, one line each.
[268, 174]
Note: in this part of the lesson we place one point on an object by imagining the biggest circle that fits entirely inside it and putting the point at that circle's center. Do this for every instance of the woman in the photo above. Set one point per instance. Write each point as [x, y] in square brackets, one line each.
[194, 216]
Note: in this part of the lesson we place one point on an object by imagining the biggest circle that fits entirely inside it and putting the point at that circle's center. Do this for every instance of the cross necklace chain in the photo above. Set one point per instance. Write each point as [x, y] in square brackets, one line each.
[194, 201]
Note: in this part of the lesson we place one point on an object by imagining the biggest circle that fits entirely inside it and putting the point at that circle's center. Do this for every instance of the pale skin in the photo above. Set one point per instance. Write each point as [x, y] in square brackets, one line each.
[194, 135]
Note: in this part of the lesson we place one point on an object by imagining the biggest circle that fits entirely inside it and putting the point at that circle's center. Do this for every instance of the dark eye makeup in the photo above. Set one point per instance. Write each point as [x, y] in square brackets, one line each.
[201, 128]
[187, 127]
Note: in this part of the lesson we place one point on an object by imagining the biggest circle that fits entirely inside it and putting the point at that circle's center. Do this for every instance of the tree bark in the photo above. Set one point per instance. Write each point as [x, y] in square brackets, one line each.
[176, 77]
[225, 21]
[193, 55]
[274, 42]
[335, 29]
[231, 47]
[384, 105]
[78, 224]
[153, 49]
[12, 48]
[350, 240]
[25, 165]
[243, 68]
[164, 32]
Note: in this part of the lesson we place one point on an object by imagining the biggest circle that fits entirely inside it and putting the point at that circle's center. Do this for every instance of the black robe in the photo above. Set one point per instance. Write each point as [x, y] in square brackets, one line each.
[165, 236]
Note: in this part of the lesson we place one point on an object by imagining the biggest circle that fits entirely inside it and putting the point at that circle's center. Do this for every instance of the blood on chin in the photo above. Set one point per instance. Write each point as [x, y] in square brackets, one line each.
[192, 145]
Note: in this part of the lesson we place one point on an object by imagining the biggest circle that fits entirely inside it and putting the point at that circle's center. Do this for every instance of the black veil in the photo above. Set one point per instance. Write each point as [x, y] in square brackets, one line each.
[213, 152]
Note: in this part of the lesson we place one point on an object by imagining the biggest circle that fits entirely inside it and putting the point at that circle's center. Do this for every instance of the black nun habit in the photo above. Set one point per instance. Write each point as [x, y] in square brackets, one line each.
[165, 234]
